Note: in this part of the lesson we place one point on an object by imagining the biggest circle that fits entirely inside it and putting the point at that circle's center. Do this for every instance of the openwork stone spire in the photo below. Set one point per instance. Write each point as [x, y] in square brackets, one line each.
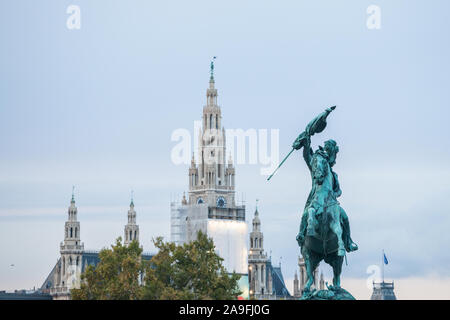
[131, 231]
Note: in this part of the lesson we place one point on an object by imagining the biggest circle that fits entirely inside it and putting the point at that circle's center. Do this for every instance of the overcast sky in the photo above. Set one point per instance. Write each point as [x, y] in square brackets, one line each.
[96, 108]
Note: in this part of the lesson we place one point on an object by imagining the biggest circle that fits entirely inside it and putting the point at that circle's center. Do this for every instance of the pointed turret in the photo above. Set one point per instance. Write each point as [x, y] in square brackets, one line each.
[72, 227]
[322, 282]
[260, 267]
[73, 195]
[131, 231]
[69, 268]
[297, 293]
[256, 236]
[193, 173]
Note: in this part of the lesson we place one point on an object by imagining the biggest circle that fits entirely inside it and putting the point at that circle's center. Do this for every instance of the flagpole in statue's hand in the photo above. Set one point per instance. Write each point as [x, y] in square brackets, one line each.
[316, 125]
[280, 164]
[295, 146]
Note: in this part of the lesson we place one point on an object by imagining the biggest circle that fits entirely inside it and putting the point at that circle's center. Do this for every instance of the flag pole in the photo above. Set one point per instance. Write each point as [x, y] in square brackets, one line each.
[280, 164]
[382, 265]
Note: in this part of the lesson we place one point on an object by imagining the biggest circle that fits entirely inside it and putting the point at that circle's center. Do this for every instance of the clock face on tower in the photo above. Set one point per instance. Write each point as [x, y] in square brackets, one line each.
[199, 200]
[221, 202]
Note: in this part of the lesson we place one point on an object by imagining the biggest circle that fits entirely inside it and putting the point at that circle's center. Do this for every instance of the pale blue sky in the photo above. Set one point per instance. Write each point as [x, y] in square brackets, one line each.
[96, 107]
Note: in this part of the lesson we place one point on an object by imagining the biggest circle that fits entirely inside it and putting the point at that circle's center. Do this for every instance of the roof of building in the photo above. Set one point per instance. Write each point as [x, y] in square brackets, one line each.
[89, 257]
[278, 285]
[23, 295]
[383, 291]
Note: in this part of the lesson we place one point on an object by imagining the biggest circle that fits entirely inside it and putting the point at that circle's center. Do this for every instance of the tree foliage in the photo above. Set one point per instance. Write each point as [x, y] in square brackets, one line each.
[116, 277]
[189, 271]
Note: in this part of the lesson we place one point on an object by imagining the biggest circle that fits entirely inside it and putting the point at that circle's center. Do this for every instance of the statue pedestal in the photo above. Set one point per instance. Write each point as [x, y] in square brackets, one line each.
[330, 294]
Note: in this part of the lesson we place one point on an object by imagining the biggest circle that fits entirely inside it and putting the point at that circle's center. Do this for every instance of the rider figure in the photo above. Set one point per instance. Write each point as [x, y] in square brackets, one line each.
[318, 201]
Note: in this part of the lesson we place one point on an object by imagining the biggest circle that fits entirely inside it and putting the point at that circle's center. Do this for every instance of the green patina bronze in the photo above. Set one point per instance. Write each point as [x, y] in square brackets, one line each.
[212, 67]
[324, 229]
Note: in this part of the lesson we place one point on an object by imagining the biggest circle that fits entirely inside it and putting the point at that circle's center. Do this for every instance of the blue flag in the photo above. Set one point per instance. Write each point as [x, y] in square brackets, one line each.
[385, 259]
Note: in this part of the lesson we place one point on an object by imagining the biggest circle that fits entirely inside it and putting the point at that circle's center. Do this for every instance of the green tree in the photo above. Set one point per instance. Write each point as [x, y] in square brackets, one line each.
[116, 277]
[190, 271]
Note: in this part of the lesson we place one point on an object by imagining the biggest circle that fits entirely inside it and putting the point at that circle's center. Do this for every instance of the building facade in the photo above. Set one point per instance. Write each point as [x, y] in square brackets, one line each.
[300, 283]
[68, 269]
[265, 280]
[74, 259]
[383, 291]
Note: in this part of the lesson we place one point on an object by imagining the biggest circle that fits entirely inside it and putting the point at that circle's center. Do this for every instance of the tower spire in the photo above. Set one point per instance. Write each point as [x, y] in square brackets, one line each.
[69, 268]
[212, 69]
[132, 203]
[131, 230]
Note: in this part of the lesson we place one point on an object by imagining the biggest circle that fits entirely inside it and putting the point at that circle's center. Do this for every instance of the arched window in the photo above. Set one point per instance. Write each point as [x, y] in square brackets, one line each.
[251, 243]
[131, 238]
[210, 121]
[217, 123]
[135, 233]
[76, 232]
[262, 273]
[71, 232]
[256, 242]
[260, 243]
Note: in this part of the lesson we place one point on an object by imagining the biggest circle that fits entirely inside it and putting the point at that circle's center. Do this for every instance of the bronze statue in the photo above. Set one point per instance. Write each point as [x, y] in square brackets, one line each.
[324, 229]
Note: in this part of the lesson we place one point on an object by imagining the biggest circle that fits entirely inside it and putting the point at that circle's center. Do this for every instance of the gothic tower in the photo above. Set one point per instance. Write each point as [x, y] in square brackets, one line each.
[256, 236]
[297, 293]
[259, 274]
[72, 249]
[210, 205]
[131, 231]
[211, 180]
[303, 276]
[321, 282]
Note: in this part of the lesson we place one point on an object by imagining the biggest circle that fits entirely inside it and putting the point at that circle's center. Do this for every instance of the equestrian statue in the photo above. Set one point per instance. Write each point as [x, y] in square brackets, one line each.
[324, 229]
